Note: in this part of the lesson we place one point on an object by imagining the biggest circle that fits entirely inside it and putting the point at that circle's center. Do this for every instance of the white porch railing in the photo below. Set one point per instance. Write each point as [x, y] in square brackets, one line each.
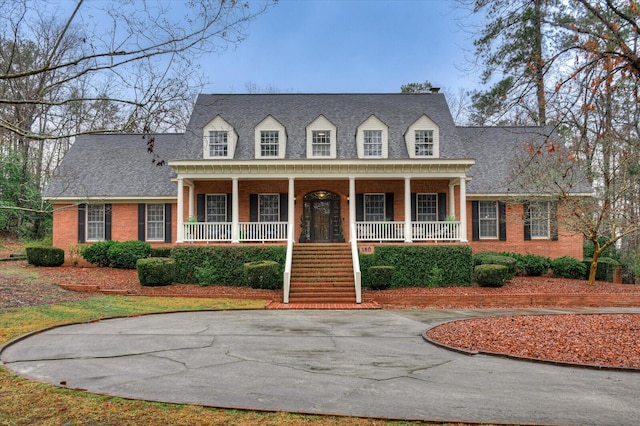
[263, 231]
[207, 231]
[357, 277]
[435, 231]
[221, 231]
[421, 231]
[380, 231]
[287, 269]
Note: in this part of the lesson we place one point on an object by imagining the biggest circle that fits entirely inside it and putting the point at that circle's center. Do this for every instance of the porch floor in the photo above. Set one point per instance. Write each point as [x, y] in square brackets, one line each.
[365, 305]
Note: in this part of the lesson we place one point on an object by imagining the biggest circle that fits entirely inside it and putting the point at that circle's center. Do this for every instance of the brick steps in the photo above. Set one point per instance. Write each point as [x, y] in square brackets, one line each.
[322, 274]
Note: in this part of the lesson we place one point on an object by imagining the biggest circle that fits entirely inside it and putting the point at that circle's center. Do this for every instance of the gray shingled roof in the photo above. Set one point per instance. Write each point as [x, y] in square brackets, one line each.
[117, 165]
[345, 111]
[496, 150]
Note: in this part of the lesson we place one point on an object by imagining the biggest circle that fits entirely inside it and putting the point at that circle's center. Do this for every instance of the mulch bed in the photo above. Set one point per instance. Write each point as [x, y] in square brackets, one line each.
[601, 340]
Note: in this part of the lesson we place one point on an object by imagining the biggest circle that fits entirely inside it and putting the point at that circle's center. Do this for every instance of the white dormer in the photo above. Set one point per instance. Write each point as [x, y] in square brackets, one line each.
[372, 138]
[423, 138]
[270, 139]
[219, 139]
[321, 138]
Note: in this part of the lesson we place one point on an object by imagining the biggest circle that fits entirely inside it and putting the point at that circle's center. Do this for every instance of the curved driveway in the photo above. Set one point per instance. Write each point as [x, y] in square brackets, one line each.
[356, 363]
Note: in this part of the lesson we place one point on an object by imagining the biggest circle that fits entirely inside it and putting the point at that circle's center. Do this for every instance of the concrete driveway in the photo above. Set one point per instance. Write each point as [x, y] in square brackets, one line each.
[355, 363]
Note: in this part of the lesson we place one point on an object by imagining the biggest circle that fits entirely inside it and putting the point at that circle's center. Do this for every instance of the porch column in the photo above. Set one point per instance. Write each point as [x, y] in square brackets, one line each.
[292, 208]
[408, 231]
[452, 198]
[352, 206]
[180, 212]
[235, 211]
[192, 199]
[463, 210]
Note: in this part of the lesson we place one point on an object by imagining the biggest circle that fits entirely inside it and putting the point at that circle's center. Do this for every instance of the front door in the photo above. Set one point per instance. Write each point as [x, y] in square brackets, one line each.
[321, 222]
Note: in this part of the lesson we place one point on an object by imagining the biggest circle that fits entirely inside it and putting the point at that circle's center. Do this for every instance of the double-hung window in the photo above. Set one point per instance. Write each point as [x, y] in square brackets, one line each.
[216, 207]
[372, 143]
[374, 207]
[424, 143]
[155, 222]
[269, 143]
[269, 207]
[488, 219]
[95, 222]
[218, 143]
[321, 143]
[539, 219]
[426, 207]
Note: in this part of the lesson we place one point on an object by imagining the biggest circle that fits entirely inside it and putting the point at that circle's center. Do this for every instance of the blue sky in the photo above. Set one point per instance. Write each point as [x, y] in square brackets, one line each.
[354, 46]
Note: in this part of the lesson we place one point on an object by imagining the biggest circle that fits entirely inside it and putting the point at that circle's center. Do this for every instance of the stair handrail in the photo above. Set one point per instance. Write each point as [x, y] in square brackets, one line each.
[356, 264]
[287, 269]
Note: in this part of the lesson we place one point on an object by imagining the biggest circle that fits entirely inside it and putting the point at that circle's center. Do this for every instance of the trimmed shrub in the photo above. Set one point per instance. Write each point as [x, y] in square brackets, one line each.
[98, 253]
[156, 271]
[530, 265]
[124, 255]
[491, 275]
[490, 258]
[160, 252]
[568, 267]
[220, 265]
[263, 274]
[45, 256]
[380, 277]
[415, 265]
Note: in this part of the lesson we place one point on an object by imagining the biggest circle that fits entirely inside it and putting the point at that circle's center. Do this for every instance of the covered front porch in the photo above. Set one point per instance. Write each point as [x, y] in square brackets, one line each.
[369, 202]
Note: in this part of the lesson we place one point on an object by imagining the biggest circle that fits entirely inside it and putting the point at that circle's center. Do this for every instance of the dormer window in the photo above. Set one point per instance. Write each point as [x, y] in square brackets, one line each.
[218, 143]
[269, 143]
[423, 139]
[372, 139]
[373, 143]
[321, 138]
[424, 143]
[219, 139]
[321, 143]
[270, 139]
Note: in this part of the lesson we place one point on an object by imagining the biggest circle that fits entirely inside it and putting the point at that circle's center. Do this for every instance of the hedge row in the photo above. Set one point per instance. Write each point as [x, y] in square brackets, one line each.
[206, 265]
[44, 256]
[421, 266]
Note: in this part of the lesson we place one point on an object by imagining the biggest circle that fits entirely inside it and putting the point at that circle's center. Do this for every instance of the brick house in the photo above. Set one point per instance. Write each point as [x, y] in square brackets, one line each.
[363, 169]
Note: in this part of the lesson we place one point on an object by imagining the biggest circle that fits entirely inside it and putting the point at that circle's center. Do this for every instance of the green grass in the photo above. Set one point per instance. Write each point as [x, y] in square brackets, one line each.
[26, 402]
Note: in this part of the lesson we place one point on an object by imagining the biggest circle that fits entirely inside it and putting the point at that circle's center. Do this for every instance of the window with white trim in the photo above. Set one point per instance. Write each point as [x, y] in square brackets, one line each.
[426, 207]
[539, 219]
[269, 207]
[372, 138]
[216, 205]
[218, 143]
[95, 222]
[219, 139]
[374, 207]
[155, 222]
[373, 143]
[488, 219]
[423, 138]
[269, 143]
[424, 143]
[321, 143]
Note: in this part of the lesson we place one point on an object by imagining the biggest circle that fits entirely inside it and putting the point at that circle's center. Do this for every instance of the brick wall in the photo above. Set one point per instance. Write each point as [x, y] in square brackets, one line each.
[125, 215]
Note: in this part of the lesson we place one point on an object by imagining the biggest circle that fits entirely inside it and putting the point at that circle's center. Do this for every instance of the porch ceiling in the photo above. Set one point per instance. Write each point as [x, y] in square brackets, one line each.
[326, 169]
